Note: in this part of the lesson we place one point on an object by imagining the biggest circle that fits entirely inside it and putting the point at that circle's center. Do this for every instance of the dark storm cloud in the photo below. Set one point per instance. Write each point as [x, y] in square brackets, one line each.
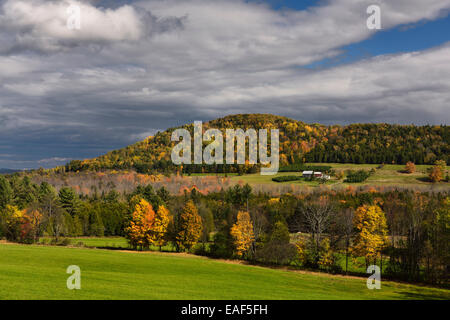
[136, 68]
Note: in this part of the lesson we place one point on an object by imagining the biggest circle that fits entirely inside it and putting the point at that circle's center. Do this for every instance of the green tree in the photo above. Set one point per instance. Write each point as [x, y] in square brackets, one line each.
[68, 200]
[6, 192]
[280, 233]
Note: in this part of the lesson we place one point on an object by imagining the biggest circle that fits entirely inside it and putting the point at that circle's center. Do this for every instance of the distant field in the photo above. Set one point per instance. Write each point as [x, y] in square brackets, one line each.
[389, 175]
[39, 272]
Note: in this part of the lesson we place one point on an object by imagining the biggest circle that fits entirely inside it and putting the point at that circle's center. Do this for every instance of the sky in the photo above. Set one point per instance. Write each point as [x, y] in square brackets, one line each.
[137, 67]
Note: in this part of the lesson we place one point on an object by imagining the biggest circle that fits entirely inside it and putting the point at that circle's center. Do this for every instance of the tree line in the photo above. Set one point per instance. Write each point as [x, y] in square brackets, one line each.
[406, 233]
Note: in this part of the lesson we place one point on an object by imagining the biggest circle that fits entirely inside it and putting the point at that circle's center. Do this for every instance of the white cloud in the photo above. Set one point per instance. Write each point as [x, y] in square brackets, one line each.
[43, 25]
[161, 63]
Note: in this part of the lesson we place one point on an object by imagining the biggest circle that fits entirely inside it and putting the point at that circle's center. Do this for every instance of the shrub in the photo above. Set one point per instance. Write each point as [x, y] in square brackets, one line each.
[339, 174]
[357, 176]
[64, 242]
[287, 178]
[278, 253]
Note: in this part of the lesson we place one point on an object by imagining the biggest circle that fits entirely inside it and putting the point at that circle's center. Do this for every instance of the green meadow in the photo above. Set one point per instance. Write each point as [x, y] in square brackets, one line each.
[39, 272]
[388, 175]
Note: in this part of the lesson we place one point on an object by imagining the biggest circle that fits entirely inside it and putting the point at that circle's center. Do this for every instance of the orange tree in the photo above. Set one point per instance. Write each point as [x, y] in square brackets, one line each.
[410, 167]
[189, 227]
[139, 232]
[437, 172]
[242, 233]
[371, 236]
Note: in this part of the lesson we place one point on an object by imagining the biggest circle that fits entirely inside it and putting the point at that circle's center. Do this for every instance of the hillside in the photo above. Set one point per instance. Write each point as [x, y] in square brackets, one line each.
[124, 275]
[299, 142]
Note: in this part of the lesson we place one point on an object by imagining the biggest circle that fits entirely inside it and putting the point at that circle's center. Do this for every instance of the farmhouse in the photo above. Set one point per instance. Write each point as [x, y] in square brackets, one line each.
[308, 174]
[318, 175]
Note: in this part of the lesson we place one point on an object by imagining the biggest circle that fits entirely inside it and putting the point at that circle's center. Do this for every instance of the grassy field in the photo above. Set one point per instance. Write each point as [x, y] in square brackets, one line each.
[39, 272]
[120, 243]
[389, 175]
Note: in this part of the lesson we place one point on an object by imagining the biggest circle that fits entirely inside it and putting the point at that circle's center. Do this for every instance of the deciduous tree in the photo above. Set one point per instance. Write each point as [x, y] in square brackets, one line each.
[242, 233]
[410, 167]
[141, 225]
[371, 237]
[189, 226]
[162, 220]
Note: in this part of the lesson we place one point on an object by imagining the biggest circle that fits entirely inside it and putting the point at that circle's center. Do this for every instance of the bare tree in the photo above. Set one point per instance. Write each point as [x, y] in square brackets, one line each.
[53, 215]
[317, 217]
[346, 229]
[260, 225]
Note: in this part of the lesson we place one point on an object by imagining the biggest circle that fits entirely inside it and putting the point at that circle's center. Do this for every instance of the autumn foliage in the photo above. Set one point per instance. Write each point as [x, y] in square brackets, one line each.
[140, 230]
[371, 237]
[410, 167]
[147, 227]
[436, 173]
[299, 142]
[189, 226]
[160, 227]
[242, 233]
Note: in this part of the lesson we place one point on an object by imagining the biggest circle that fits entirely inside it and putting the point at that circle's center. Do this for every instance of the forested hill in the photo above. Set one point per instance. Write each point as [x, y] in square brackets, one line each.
[299, 142]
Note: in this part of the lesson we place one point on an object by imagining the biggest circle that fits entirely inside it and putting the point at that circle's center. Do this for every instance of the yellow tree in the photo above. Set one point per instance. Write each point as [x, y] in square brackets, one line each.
[371, 237]
[141, 225]
[326, 257]
[301, 250]
[36, 220]
[189, 226]
[242, 233]
[162, 220]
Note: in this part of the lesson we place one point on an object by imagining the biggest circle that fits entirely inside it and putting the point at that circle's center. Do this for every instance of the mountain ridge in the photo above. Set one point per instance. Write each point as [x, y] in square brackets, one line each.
[299, 142]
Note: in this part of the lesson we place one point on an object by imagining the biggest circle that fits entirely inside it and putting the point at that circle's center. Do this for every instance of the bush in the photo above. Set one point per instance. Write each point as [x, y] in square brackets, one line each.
[287, 178]
[357, 176]
[200, 250]
[339, 174]
[79, 244]
[275, 252]
[61, 242]
[335, 269]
